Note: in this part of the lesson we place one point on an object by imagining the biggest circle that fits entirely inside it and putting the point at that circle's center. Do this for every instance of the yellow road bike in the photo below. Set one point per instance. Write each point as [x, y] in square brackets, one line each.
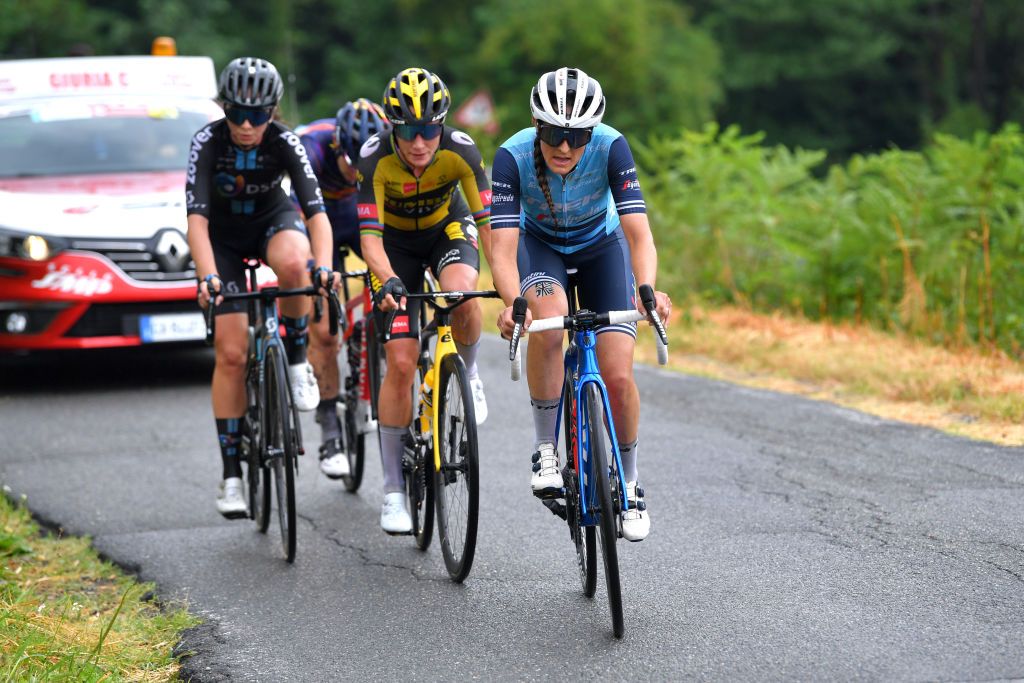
[440, 462]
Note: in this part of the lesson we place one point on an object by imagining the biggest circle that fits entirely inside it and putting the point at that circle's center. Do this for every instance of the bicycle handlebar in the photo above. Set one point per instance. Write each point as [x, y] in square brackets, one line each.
[455, 298]
[590, 319]
[270, 294]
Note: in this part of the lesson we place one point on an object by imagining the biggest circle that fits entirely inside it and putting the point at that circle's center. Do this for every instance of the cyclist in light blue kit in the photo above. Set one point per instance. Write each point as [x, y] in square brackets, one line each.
[332, 146]
[566, 195]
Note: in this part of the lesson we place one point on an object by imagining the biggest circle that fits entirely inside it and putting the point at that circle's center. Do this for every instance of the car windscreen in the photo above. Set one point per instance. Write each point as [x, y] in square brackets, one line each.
[68, 140]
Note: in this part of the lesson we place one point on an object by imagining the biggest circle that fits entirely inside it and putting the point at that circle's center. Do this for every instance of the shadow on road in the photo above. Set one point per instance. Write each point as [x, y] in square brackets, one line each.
[104, 369]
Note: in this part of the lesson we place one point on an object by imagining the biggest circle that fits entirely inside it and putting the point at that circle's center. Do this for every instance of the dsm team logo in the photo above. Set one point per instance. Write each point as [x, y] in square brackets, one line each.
[229, 185]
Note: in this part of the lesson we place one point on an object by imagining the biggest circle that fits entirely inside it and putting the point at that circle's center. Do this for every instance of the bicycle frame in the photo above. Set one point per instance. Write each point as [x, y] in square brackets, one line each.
[443, 346]
[581, 364]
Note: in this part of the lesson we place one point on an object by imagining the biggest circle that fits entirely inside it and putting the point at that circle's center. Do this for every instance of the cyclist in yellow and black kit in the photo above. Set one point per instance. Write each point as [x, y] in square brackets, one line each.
[411, 214]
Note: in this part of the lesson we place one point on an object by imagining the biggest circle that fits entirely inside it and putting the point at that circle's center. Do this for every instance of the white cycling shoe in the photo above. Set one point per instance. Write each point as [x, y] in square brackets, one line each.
[636, 521]
[547, 477]
[230, 501]
[305, 392]
[334, 460]
[394, 518]
[476, 387]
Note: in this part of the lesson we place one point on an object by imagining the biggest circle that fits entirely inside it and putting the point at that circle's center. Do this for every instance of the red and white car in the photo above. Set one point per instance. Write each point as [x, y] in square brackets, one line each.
[93, 152]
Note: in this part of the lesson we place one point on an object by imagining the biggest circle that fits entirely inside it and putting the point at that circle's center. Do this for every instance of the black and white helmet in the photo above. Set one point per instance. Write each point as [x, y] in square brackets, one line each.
[250, 82]
[568, 98]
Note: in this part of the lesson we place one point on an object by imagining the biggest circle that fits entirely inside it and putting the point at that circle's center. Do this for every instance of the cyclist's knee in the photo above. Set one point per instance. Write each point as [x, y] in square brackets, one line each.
[230, 357]
[402, 363]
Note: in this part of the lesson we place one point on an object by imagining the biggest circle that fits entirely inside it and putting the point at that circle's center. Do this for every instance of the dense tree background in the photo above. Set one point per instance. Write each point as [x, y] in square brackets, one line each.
[845, 76]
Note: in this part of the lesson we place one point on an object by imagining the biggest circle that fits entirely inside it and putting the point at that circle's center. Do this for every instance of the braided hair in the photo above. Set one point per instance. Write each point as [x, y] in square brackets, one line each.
[540, 167]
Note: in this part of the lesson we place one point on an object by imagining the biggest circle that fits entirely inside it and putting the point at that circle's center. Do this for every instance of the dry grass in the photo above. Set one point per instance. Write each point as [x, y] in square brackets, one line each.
[969, 392]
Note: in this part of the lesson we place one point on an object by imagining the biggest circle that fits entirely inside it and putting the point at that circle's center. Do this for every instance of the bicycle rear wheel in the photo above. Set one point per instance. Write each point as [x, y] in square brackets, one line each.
[456, 485]
[419, 493]
[280, 445]
[583, 537]
[604, 506]
[355, 437]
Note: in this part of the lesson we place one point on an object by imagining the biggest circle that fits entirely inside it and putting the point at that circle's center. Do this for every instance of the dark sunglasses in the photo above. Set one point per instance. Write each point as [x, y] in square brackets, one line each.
[576, 137]
[428, 131]
[257, 117]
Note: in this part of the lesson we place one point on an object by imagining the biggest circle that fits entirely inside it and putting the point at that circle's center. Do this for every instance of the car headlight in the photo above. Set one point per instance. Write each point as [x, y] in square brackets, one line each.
[14, 244]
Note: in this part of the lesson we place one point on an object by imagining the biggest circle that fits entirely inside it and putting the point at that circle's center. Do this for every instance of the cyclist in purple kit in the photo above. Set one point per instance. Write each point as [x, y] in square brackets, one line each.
[566, 195]
[237, 210]
[332, 146]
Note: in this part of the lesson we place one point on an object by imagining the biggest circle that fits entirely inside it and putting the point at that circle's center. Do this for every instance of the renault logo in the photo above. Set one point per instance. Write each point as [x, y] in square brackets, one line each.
[172, 251]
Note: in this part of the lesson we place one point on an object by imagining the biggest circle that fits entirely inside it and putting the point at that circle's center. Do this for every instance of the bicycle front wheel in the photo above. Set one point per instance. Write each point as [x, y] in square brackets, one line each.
[355, 436]
[605, 508]
[456, 485]
[280, 445]
[583, 537]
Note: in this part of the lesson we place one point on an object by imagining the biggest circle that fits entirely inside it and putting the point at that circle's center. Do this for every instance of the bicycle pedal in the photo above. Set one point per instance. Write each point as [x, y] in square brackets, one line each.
[550, 493]
[557, 509]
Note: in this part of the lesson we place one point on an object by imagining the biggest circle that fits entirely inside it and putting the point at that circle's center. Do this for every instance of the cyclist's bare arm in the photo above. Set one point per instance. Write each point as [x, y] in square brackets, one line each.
[637, 230]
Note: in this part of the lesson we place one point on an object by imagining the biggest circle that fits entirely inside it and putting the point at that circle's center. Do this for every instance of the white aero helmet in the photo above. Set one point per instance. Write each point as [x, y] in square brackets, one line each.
[567, 98]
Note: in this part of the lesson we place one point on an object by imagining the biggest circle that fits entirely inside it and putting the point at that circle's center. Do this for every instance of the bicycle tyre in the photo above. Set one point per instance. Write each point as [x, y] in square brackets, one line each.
[355, 438]
[583, 537]
[457, 515]
[279, 437]
[599, 447]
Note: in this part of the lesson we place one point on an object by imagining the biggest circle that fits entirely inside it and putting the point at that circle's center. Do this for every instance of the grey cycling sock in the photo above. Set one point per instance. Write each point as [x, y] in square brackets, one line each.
[327, 416]
[627, 453]
[545, 420]
[391, 457]
[468, 354]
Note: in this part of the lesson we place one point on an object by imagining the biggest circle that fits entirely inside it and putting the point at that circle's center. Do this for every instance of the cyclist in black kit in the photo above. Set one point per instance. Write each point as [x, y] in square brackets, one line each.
[237, 209]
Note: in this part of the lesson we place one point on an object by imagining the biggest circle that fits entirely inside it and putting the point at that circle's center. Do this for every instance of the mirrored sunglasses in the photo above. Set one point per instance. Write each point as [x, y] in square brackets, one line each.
[554, 135]
[428, 131]
[257, 117]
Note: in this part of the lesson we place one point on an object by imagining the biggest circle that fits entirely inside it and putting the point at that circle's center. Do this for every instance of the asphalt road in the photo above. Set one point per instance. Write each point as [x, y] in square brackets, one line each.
[791, 540]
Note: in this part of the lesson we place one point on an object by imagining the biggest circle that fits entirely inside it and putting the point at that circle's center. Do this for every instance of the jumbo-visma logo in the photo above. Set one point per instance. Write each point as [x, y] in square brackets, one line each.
[229, 185]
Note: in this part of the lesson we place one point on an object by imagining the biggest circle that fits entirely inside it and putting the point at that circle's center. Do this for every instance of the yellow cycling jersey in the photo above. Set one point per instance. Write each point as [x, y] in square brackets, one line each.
[391, 196]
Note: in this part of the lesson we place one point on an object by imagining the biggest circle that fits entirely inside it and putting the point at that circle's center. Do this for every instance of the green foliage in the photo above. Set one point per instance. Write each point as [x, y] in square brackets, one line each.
[928, 242]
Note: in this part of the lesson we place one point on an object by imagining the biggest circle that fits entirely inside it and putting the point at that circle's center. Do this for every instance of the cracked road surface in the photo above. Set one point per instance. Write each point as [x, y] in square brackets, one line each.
[790, 539]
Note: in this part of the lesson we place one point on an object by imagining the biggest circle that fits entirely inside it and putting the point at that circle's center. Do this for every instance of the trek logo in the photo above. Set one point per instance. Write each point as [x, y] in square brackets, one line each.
[628, 171]
[78, 282]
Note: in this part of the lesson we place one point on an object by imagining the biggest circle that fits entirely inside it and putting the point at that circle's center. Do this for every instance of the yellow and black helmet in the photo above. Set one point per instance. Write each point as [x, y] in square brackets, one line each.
[415, 96]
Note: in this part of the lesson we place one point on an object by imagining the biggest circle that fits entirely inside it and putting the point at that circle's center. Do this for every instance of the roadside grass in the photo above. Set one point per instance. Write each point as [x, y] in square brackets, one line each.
[970, 392]
[65, 614]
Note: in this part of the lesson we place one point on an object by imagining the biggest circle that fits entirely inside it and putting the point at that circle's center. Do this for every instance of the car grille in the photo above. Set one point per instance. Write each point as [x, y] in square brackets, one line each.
[105, 320]
[138, 259]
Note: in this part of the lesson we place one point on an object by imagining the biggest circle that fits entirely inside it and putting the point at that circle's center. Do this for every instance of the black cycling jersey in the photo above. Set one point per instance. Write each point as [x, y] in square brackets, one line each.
[235, 187]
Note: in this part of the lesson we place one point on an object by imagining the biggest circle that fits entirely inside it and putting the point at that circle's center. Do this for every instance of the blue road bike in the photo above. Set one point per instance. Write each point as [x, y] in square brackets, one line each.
[594, 489]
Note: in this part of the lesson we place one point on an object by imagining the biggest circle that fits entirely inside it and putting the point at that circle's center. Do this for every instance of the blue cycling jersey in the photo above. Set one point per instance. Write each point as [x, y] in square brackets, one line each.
[587, 202]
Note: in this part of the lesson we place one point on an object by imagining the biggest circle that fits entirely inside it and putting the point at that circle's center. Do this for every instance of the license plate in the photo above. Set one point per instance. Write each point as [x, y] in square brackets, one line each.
[172, 327]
